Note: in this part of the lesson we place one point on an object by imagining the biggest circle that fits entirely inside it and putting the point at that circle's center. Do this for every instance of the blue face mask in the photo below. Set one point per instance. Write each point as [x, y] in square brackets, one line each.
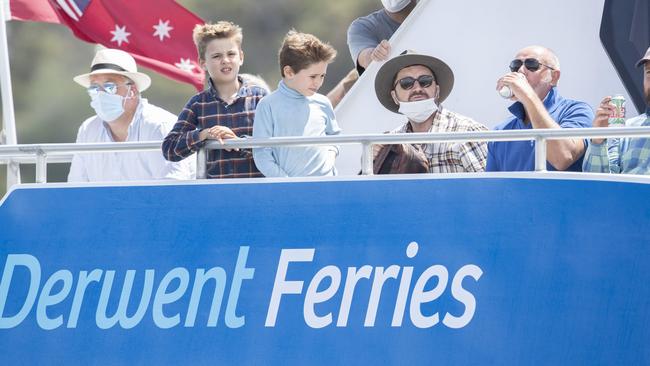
[108, 107]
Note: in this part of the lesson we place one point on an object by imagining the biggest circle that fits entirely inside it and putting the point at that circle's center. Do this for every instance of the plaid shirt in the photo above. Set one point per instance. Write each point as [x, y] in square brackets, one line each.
[206, 110]
[627, 155]
[453, 157]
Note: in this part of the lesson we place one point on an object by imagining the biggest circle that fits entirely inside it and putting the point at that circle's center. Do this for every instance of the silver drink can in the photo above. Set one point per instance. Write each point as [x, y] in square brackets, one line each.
[505, 92]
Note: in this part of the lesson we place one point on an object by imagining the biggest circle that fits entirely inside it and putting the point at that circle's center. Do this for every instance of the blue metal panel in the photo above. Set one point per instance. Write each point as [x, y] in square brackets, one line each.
[564, 268]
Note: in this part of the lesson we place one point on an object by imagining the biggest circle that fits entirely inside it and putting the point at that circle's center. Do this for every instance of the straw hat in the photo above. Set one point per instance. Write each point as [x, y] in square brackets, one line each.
[386, 76]
[112, 61]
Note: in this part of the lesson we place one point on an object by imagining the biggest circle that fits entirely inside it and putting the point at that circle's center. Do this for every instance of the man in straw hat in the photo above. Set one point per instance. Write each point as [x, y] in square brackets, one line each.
[630, 155]
[114, 86]
[532, 84]
[415, 85]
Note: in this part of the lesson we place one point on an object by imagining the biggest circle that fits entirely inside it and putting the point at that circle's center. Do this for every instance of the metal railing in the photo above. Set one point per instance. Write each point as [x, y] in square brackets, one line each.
[366, 141]
[42, 154]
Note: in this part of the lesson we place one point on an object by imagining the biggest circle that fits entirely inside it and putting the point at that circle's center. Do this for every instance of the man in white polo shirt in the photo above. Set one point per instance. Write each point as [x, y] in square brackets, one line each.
[114, 85]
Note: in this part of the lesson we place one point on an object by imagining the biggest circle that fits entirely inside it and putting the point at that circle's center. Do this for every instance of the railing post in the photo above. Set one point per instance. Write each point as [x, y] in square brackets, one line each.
[540, 154]
[41, 167]
[202, 163]
[366, 158]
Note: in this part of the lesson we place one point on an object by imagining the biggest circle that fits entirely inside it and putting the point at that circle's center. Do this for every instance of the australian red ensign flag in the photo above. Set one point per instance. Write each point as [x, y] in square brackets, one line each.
[158, 33]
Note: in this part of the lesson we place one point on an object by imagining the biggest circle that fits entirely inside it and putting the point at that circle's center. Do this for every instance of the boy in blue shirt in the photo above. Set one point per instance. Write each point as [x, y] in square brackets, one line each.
[296, 109]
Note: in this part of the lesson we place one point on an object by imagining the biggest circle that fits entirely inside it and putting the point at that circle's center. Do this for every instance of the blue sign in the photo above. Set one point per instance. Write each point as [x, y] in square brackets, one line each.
[380, 271]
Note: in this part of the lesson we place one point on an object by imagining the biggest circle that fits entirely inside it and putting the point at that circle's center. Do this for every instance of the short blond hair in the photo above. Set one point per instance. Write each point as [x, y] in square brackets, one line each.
[299, 50]
[204, 33]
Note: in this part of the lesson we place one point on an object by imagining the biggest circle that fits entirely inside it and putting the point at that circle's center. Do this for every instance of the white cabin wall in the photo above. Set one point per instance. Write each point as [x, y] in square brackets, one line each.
[478, 39]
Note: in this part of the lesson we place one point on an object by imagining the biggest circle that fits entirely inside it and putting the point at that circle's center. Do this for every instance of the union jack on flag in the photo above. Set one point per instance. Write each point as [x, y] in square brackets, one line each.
[73, 8]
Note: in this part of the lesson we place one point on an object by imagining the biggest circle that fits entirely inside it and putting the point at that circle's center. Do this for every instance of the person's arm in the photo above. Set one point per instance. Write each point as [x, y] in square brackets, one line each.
[263, 156]
[341, 89]
[601, 119]
[560, 153]
[377, 53]
[601, 158]
[181, 170]
[185, 138]
[364, 45]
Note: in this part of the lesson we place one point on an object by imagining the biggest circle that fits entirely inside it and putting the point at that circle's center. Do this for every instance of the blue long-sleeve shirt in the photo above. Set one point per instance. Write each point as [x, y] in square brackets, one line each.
[286, 112]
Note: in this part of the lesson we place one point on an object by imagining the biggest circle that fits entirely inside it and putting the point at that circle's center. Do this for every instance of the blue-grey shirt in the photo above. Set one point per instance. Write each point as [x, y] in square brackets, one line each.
[368, 32]
[514, 156]
[286, 112]
[629, 155]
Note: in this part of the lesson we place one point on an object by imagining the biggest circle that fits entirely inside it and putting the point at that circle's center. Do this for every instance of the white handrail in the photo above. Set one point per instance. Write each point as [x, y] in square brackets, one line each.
[540, 136]
[42, 154]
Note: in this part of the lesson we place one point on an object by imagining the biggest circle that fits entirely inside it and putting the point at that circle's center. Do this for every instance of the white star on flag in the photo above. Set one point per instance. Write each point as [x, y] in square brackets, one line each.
[185, 65]
[120, 35]
[162, 29]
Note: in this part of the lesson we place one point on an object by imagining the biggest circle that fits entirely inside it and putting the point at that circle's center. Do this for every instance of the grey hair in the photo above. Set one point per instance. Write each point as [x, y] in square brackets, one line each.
[256, 80]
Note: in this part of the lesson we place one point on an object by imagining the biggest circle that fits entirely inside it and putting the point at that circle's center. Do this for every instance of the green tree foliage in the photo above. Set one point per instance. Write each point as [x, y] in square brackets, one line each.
[44, 57]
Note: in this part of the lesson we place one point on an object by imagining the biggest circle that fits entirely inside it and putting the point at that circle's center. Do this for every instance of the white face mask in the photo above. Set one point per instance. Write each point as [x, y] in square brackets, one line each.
[108, 107]
[418, 111]
[393, 6]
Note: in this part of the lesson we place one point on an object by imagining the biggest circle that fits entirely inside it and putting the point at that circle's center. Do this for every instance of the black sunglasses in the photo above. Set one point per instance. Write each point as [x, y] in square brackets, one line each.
[408, 82]
[532, 64]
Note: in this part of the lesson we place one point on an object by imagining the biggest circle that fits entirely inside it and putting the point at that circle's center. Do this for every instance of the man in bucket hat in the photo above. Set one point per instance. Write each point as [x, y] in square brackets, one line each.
[415, 85]
[114, 85]
[630, 155]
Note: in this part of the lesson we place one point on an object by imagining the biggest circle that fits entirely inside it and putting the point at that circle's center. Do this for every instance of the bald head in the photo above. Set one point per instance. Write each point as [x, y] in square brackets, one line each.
[543, 54]
[541, 79]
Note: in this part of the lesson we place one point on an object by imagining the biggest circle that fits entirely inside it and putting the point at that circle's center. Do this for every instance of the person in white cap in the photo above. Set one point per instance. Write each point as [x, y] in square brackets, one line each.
[630, 155]
[415, 85]
[114, 86]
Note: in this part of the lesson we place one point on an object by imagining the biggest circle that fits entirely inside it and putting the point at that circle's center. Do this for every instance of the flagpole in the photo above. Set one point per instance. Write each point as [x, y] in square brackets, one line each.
[8, 135]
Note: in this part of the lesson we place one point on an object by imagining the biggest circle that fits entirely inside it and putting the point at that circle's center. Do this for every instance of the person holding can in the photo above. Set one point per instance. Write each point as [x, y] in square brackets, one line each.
[629, 155]
[532, 82]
